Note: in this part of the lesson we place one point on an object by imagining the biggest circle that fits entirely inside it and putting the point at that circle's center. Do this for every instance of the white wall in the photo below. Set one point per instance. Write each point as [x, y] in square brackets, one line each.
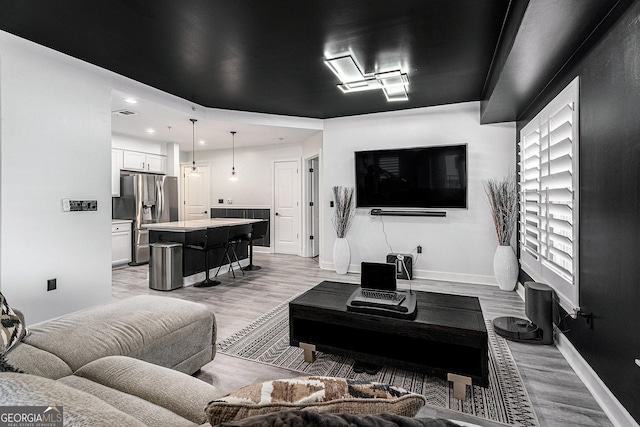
[55, 139]
[458, 247]
[311, 146]
[253, 166]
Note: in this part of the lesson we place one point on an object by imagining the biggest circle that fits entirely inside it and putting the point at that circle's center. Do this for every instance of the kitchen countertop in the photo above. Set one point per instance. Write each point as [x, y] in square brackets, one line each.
[121, 221]
[197, 224]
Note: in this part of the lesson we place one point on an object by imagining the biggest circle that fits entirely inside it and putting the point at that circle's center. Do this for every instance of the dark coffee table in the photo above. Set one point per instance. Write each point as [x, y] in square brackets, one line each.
[447, 339]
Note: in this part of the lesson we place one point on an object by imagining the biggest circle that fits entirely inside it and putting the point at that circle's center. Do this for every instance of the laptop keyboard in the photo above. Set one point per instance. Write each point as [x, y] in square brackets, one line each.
[386, 296]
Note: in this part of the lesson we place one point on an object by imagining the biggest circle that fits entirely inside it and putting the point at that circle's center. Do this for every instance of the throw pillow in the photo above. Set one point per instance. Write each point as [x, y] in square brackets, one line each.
[11, 328]
[297, 418]
[319, 394]
[8, 367]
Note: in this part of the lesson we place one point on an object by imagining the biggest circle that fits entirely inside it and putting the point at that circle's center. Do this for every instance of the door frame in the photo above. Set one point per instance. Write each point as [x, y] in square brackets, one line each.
[307, 197]
[272, 215]
[182, 182]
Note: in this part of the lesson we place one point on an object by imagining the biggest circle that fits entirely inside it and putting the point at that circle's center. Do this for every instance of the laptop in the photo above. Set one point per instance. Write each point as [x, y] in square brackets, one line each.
[378, 284]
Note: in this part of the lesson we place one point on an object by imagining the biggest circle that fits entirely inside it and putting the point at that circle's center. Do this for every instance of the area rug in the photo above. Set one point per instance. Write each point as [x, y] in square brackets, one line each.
[505, 400]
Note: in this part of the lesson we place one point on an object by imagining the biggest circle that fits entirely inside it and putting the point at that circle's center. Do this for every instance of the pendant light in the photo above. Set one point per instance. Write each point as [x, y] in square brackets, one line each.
[194, 169]
[233, 176]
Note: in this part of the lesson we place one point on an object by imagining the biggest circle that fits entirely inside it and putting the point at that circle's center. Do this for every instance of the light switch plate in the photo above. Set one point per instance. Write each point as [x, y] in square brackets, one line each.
[79, 205]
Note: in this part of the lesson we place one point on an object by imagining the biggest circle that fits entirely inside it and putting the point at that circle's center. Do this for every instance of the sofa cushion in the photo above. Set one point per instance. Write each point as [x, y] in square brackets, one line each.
[146, 412]
[180, 393]
[162, 330]
[34, 361]
[79, 408]
[12, 328]
[319, 394]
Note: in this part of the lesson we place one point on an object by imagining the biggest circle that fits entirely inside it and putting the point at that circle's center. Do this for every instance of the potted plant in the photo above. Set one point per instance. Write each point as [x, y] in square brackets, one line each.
[342, 219]
[503, 201]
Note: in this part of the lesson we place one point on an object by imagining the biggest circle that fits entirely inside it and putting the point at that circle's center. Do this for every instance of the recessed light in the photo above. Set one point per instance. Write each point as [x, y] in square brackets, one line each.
[130, 101]
[150, 130]
[201, 142]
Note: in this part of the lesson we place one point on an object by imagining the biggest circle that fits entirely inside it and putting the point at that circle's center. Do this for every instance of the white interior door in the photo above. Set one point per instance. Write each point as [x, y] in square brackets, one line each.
[286, 206]
[197, 190]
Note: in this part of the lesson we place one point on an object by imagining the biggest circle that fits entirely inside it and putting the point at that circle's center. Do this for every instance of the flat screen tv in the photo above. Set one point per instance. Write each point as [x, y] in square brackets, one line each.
[422, 177]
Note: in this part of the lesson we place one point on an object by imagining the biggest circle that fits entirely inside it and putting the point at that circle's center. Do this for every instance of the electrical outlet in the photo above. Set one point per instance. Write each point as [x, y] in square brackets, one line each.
[52, 284]
[419, 249]
[220, 200]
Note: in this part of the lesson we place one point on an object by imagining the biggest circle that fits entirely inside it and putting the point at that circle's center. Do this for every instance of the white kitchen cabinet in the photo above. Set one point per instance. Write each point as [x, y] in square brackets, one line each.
[144, 162]
[116, 165]
[133, 160]
[120, 242]
[156, 164]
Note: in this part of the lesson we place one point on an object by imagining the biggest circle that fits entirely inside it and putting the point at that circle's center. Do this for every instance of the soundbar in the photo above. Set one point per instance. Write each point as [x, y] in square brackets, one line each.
[386, 212]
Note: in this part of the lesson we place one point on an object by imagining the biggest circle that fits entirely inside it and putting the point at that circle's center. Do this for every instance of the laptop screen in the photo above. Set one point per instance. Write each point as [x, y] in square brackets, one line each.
[378, 275]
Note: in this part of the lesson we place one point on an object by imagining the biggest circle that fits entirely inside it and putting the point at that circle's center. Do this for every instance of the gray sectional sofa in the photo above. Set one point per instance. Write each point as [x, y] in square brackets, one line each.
[123, 363]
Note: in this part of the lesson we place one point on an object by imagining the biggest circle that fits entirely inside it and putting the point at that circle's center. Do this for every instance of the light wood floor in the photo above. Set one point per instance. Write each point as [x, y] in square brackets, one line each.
[558, 395]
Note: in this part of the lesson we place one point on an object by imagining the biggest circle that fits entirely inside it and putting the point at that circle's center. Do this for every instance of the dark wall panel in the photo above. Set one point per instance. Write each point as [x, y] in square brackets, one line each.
[609, 193]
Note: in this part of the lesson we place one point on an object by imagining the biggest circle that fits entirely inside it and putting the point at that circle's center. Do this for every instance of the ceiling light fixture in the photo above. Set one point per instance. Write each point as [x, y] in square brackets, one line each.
[194, 169]
[393, 83]
[130, 101]
[151, 131]
[234, 176]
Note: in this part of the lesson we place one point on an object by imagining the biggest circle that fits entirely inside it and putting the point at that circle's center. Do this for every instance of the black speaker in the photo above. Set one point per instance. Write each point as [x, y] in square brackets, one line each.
[538, 328]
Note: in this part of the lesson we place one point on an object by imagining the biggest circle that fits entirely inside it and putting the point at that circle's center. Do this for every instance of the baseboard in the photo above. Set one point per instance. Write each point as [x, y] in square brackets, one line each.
[475, 279]
[520, 290]
[611, 406]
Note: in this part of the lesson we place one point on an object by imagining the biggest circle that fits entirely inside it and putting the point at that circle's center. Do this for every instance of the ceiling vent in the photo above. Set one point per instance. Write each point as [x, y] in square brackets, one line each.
[124, 113]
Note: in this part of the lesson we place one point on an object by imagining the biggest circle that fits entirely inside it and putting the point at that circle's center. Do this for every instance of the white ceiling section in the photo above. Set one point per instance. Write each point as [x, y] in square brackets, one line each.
[213, 125]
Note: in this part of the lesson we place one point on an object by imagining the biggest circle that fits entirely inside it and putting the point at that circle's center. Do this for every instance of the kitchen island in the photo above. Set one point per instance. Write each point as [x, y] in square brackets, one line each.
[190, 232]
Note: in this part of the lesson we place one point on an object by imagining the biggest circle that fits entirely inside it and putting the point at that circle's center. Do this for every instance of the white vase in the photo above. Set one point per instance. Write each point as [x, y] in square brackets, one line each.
[505, 267]
[341, 255]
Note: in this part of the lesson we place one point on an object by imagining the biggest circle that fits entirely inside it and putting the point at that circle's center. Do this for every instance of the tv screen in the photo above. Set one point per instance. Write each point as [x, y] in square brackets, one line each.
[423, 177]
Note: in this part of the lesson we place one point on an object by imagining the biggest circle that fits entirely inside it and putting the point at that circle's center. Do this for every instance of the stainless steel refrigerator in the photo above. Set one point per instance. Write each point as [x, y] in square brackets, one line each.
[145, 199]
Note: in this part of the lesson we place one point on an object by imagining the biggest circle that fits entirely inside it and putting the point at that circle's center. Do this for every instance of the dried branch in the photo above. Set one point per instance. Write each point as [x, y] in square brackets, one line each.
[503, 201]
[344, 210]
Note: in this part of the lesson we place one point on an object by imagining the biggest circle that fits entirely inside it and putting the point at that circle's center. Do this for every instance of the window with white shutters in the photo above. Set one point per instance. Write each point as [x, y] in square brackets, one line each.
[549, 197]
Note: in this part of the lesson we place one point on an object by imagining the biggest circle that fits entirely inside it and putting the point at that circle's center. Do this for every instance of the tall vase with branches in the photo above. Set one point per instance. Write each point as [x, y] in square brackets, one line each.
[342, 220]
[503, 201]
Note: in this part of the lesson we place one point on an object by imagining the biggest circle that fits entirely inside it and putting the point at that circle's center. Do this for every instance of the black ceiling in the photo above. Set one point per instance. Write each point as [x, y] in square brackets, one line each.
[267, 56]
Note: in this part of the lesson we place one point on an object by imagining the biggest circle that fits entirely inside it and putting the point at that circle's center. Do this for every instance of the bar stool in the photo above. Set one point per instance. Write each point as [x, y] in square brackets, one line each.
[258, 231]
[237, 233]
[213, 238]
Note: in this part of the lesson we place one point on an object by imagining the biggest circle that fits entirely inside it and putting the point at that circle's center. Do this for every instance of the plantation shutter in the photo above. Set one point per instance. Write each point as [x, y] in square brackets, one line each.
[548, 196]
